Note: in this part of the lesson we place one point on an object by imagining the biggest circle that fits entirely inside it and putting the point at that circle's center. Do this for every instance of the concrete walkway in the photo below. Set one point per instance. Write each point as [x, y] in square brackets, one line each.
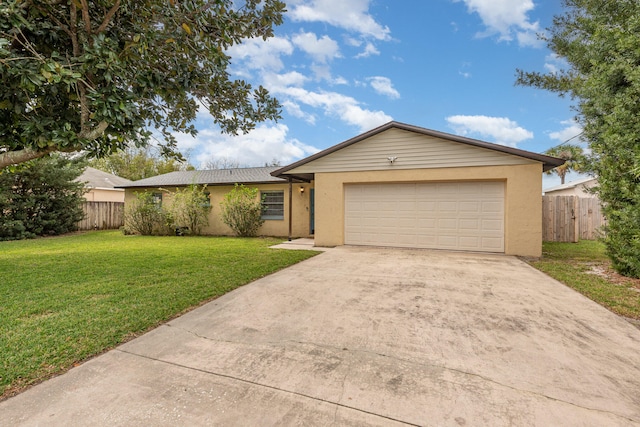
[303, 243]
[365, 337]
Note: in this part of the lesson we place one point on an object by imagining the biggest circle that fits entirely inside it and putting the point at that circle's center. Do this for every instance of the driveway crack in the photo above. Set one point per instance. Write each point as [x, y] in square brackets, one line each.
[267, 386]
[412, 362]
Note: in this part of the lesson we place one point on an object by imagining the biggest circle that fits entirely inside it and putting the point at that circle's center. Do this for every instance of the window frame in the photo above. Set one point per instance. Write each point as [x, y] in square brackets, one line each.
[266, 205]
[156, 196]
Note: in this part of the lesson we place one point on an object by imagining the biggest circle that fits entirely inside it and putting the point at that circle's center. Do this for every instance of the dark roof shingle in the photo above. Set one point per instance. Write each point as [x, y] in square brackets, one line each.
[260, 175]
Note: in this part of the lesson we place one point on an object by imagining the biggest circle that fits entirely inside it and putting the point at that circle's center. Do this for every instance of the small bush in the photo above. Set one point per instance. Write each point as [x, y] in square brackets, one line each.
[242, 210]
[144, 216]
[190, 208]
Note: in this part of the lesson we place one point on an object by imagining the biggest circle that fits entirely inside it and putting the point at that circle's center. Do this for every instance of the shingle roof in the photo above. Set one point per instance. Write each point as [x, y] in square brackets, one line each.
[95, 178]
[210, 177]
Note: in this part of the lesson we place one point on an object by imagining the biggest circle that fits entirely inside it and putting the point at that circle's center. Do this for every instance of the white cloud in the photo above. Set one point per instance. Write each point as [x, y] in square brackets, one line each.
[336, 105]
[499, 129]
[292, 78]
[351, 15]
[260, 54]
[383, 86]
[263, 144]
[571, 133]
[339, 81]
[369, 50]
[296, 111]
[507, 18]
[554, 63]
[321, 49]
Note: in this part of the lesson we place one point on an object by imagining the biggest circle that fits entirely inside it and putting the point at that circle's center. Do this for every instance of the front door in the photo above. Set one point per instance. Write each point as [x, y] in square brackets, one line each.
[312, 215]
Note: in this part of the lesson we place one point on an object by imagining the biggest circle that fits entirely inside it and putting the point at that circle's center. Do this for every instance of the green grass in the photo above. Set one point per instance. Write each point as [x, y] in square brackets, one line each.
[585, 267]
[68, 298]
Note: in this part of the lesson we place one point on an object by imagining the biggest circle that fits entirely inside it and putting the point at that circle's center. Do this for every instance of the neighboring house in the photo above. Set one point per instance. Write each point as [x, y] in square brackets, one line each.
[397, 185]
[579, 187]
[102, 186]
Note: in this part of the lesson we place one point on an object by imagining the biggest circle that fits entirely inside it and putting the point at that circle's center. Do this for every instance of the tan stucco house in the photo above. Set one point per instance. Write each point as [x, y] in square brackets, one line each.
[397, 185]
[579, 187]
[101, 186]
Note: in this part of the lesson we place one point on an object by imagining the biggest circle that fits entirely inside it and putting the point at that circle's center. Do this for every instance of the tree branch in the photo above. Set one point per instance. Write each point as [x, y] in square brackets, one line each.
[108, 17]
[9, 158]
[95, 132]
[74, 29]
[85, 16]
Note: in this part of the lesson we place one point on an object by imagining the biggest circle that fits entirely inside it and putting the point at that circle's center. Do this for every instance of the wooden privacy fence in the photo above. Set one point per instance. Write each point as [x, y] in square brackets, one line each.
[102, 216]
[571, 218]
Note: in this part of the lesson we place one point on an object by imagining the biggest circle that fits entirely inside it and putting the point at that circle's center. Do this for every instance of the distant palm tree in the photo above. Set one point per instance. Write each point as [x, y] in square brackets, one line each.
[573, 156]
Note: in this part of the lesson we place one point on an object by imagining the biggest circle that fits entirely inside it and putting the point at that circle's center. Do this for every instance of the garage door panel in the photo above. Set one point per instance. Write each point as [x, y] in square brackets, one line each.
[470, 224]
[492, 225]
[492, 206]
[461, 215]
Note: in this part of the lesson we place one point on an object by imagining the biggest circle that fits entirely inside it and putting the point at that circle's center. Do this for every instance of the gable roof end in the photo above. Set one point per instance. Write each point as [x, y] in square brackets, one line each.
[547, 161]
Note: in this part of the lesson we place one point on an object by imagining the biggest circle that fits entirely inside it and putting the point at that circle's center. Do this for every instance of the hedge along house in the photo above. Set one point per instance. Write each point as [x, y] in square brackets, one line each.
[405, 186]
[280, 196]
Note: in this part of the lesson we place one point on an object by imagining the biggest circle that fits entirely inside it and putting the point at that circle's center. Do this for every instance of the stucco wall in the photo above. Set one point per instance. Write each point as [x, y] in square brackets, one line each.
[523, 205]
[104, 195]
[300, 224]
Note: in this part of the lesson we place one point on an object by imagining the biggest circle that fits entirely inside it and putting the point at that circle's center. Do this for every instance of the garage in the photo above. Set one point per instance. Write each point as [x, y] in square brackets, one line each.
[444, 215]
[400, 185]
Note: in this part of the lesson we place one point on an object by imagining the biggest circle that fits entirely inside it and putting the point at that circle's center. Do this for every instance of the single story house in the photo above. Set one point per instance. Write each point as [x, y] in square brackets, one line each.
[101, 186]
[579, 187]
[397, 185]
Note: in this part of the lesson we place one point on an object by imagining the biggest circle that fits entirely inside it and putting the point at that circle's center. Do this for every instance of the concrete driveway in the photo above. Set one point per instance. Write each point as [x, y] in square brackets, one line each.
[365, 336]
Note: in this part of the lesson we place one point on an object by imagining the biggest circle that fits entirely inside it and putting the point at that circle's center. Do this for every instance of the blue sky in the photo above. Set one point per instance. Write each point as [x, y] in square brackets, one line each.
[342, 67]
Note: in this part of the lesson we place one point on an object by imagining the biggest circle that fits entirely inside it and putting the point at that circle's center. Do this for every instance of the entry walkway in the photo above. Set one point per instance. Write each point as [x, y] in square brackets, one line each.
[300, 244]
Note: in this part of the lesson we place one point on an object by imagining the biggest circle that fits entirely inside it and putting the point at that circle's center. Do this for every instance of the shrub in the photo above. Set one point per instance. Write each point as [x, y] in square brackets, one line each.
[242, 210]
[41, 198]
[144, 215]
[190, 208]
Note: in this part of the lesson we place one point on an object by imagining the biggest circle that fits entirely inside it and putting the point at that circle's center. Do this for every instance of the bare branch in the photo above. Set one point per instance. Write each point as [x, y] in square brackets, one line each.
[108, 17]
[73, 28]
[85, 16]
[95, 132]
[9, 158]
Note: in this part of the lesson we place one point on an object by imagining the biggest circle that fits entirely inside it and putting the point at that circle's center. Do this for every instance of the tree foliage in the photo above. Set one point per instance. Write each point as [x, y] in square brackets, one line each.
[40, 198]
[573, 156]
[93, 75]
[190, 207]
[138, 163]
[242, 210]
[599, 41]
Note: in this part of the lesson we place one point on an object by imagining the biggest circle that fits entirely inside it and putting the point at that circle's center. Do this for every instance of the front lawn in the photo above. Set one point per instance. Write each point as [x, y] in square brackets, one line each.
[585, 267]
[65, 299]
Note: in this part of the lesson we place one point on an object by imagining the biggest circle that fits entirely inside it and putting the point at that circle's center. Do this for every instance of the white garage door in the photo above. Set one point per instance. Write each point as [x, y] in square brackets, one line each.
[451, 215]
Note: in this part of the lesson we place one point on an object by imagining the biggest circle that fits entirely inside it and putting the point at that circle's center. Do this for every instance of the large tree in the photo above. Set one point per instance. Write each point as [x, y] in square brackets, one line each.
[138, 163]
[95, 75]
[599, 41]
